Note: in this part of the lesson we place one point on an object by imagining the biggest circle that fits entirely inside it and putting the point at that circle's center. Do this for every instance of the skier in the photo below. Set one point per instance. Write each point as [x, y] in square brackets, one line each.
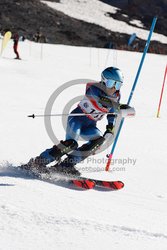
[15, 45]
[100, 98]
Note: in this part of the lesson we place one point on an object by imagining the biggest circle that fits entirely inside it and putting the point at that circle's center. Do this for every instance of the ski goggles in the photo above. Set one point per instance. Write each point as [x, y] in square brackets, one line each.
[113, 83]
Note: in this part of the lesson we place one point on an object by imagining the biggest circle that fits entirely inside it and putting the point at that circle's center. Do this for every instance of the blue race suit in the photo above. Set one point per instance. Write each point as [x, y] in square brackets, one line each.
[85, 126]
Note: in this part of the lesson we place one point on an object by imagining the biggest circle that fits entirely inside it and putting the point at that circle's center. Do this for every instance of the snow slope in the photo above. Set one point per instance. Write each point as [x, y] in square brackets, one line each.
[94, 11]
[40, 215]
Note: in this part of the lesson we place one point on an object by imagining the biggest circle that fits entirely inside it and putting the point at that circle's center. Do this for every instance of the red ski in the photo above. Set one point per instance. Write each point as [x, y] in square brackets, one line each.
[87, 183]
[81, 182]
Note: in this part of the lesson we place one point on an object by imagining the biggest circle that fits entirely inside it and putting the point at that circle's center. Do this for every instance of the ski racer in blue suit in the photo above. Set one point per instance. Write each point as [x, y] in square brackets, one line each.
[100, 98]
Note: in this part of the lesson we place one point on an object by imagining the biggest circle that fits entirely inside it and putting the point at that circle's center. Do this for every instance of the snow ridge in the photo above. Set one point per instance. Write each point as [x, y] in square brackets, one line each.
[94, 11]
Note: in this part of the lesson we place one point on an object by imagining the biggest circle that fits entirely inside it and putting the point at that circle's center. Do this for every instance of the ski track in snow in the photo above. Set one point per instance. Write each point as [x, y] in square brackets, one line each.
[79, 224]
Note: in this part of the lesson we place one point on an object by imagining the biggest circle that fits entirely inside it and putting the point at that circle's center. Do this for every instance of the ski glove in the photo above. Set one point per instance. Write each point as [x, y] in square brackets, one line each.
[126, 111]
[109, 133]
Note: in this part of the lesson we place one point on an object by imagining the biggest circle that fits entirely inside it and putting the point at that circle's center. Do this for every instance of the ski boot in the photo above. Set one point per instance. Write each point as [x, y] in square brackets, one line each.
[67, 167]
[38, 164]
[57, 151]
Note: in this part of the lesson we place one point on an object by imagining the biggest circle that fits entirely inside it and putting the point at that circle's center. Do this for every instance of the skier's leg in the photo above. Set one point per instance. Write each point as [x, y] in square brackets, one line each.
[16, 52]
[73, 129]
[81, 153]
[90, 133]
[39, 163]
[57, 151]
[64, 147]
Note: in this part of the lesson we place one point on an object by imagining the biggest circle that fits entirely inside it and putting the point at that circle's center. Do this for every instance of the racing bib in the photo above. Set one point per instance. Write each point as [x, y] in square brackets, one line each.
[92, 109]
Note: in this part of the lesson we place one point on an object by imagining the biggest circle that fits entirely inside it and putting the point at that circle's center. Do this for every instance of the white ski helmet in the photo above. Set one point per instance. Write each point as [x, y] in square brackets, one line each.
[112, 77]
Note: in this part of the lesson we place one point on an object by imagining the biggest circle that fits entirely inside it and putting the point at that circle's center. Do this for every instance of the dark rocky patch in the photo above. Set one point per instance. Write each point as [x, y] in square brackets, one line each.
[28, 17]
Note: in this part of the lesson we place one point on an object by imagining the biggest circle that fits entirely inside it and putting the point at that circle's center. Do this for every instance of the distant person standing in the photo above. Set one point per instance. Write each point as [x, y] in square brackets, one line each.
[39, 37]
[15, 45]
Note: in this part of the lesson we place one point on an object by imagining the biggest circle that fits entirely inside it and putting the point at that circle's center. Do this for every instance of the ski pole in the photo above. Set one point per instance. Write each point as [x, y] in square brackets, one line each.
[163, 85]
[132, 90]
[74, 114]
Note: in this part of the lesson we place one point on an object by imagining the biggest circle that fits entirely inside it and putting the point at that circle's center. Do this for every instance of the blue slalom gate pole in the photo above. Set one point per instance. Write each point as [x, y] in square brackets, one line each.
[132, 90]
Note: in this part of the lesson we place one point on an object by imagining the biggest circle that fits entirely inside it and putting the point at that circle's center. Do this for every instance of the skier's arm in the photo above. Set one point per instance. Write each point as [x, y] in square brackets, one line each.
[114, 109]
[112, 118]
[109, 132]
[122, 109]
